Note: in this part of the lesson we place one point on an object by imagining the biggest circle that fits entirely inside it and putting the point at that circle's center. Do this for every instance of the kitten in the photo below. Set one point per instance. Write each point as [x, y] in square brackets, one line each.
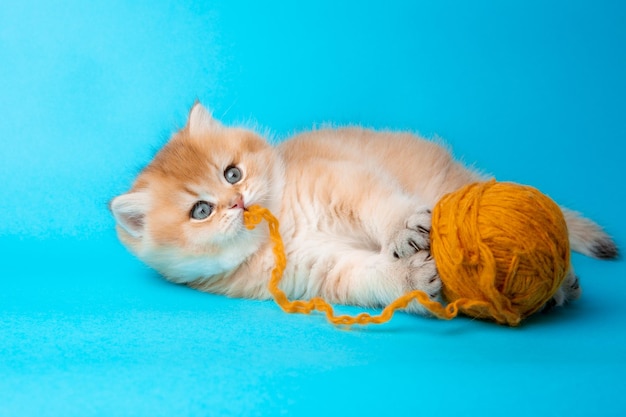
[353, 205]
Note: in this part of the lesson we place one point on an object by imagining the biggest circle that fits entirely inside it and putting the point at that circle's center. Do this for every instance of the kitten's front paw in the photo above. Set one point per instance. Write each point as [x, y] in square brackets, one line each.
[414, 237]
[423, 277]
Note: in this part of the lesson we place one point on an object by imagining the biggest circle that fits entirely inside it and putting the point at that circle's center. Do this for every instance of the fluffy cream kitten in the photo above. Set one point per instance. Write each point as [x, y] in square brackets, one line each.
[353, 205]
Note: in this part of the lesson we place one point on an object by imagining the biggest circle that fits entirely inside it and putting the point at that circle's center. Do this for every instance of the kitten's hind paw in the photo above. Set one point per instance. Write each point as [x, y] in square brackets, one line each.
[568, 291]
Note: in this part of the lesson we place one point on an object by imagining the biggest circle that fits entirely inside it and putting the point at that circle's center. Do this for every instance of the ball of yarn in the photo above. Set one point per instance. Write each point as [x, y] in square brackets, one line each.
[501, 249]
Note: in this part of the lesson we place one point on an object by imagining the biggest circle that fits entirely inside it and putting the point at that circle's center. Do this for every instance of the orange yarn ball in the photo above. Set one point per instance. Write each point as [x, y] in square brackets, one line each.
[501, 249]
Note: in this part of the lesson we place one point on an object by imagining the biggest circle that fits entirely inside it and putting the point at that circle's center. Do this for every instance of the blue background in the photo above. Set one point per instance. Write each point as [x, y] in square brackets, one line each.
[531, 91]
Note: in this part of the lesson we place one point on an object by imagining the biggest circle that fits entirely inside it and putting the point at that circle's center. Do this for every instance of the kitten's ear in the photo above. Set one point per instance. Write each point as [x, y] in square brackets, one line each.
[200, 120]
[129, 211]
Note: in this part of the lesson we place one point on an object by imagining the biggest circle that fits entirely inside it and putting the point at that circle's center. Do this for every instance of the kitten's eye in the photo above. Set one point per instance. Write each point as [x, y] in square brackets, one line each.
[201, 210]
[232, 174]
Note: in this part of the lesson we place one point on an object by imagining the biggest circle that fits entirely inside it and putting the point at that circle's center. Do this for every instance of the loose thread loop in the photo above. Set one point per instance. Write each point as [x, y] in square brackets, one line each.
[255, 214]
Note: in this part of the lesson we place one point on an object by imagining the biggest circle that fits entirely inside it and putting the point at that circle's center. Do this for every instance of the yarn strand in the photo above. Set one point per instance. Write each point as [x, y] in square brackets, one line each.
[255, 214]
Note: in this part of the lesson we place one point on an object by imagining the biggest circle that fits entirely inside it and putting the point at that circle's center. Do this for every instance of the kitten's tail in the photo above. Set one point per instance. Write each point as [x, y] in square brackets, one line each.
[588, 238]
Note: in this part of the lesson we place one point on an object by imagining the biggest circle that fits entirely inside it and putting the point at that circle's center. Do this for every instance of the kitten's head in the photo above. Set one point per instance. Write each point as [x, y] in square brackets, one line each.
[184, 214]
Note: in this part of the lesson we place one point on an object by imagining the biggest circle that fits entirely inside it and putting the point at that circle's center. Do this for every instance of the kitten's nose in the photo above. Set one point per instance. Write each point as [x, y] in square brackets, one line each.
[237, 202]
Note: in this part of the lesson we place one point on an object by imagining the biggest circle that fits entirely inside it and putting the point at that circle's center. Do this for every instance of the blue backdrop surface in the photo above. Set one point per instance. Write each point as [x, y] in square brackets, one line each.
[531, 91]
